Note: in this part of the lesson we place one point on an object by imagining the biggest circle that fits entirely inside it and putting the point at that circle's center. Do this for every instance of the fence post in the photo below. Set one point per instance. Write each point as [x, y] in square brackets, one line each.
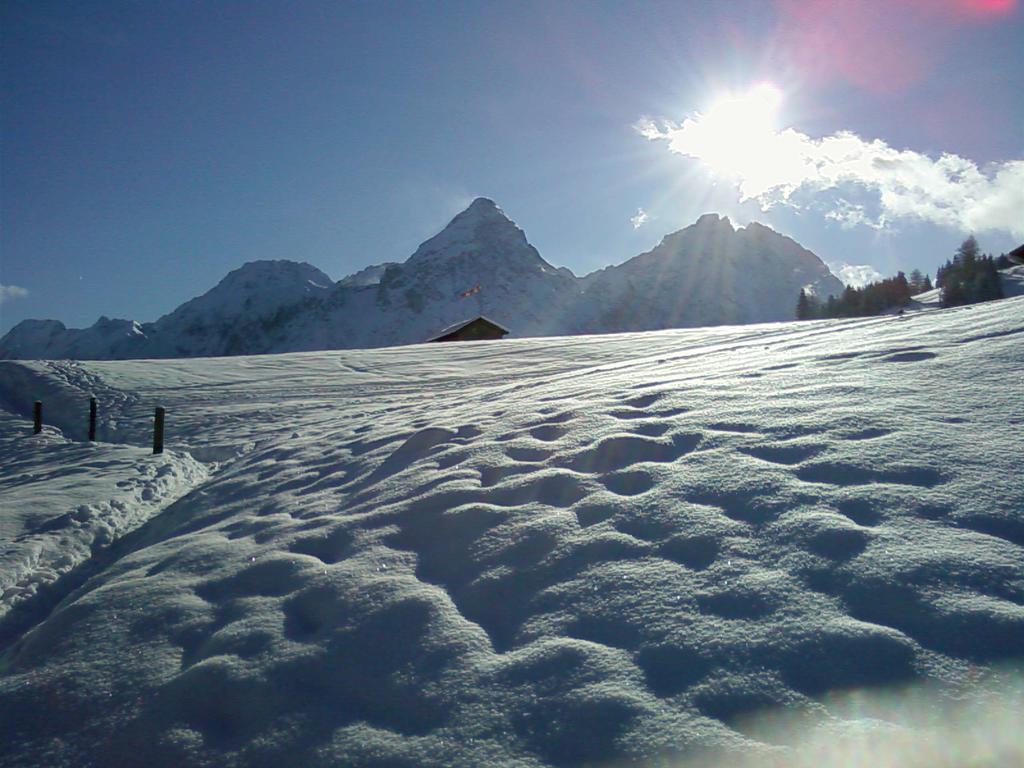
[158, 431]
[92, 419]
[37, 416]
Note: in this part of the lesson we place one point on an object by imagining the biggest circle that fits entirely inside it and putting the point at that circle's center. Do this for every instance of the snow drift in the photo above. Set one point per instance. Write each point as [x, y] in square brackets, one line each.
[540, 552]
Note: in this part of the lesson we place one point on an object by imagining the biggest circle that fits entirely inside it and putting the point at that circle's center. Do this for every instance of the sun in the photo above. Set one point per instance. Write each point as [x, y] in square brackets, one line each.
[753, 110]
[737, 132]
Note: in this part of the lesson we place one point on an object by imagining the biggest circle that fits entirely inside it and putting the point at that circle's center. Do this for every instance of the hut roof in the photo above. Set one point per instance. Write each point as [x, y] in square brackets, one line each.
[453, 329]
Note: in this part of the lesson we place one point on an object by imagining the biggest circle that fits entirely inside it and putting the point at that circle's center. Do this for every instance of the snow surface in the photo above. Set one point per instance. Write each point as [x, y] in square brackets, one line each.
[536, 552]
[70, 499]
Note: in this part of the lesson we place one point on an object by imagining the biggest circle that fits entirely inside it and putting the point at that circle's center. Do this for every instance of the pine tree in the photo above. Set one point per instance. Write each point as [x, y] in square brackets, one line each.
[987, 285]
[969, 277]
[916, 281]
[967, 253]
[954, 293]
[803, 306]
[901, 290]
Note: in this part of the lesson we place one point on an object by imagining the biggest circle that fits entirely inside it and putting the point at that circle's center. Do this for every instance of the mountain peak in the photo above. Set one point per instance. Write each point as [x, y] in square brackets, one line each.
[483, 204]
[278, 270]
[481, 228]
[713, 220]
[709, 273]
[482, 209]
[707, 223]
[254, 289]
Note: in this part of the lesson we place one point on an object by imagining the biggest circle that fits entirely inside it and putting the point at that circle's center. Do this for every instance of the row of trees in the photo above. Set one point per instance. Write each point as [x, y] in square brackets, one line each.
[967, 278]
[872, 299]
[970, 277]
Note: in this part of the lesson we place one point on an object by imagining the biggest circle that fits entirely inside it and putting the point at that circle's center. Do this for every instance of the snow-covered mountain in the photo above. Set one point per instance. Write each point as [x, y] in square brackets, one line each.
[480, 264]
[239, 314]
[370, 275]
[105, 339]
[235, 317]
[706, 274]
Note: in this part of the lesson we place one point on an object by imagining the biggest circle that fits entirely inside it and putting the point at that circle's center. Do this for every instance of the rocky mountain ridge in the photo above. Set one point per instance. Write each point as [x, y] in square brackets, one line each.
[709, 273]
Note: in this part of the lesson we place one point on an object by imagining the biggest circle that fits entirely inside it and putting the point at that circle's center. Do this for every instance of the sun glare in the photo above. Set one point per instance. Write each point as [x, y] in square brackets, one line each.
[736, 132]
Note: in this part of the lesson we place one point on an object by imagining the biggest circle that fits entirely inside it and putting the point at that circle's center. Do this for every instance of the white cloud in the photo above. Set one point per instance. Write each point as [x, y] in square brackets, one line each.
[855, 275]
[851, 215]
[8, 292]
[772, 166]
[641, 218]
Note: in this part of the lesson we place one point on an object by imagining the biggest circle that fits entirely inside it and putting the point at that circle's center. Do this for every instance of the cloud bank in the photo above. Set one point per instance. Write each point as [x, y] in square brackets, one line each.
[950, 191]
[855, 275]
[8, 292]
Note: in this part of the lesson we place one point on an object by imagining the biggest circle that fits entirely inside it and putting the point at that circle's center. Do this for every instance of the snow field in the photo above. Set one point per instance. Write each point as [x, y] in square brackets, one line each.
[63, 501]
[552, 552]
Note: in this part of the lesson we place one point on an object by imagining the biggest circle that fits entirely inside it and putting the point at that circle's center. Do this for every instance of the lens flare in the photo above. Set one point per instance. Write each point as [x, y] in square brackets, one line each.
[738, 129]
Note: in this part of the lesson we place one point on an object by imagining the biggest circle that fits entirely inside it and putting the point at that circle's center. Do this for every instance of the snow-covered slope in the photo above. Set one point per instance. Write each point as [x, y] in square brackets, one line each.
[74, 499]
[544, 552]
[481, 263]
[242, 313]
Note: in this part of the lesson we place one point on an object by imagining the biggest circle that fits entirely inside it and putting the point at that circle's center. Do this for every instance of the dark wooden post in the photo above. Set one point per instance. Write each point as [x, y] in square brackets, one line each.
[37, 415]
[92, 419]
[158, 431]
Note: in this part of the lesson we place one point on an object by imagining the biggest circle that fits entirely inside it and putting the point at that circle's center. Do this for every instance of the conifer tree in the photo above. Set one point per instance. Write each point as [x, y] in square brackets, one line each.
[969, 277]
[967, 253]
[916, 281]
[803, 306]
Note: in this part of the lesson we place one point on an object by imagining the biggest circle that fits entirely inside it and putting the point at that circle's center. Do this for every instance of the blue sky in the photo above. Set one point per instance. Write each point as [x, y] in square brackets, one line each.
[149, 148]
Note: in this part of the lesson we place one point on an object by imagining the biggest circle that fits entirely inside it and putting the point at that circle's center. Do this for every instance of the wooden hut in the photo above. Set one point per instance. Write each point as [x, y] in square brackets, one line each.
[477, 329]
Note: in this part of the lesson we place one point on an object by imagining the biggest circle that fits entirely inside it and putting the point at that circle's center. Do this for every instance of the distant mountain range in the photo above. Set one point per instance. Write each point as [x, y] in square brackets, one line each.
[709, 273]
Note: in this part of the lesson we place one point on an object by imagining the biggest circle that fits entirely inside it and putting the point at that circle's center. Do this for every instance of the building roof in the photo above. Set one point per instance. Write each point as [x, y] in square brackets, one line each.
[459, 326]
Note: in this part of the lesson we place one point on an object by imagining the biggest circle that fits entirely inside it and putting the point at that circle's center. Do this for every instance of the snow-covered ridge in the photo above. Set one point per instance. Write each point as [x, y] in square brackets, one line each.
[707, 274]
[481, 263]
[550, 552]
[63, 518]
[367, 276]
[227, 319]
